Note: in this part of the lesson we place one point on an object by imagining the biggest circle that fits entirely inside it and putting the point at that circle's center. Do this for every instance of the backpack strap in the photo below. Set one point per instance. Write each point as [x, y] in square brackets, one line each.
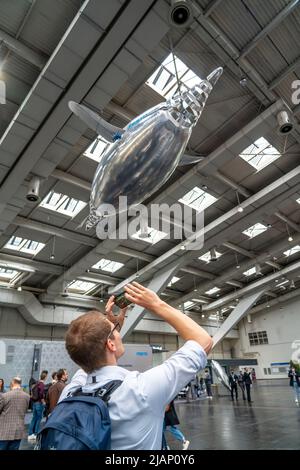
[104, 392]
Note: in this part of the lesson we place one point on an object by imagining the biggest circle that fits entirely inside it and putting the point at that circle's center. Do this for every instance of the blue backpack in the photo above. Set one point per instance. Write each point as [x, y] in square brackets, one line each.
[79, 422]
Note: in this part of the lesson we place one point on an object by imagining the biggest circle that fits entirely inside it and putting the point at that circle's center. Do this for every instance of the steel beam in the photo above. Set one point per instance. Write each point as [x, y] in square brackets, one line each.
[264, 282]
[56, 231]
[286, 72]
[269, 28]
[236, 315]
[38, 59]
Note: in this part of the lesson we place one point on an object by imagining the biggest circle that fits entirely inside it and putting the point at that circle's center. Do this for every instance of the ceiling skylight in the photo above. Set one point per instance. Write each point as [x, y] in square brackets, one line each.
[81, 286]
[63, 204]
[188, 305]
[96, 149]
[292, 251]
[260, 154]
[214, 316]
[108, 265]
[214, 290]
[173, 281]
[255, 230]
[24, 245]
[207, 256]
[7, 274]
[154, 236]
[250, 271]
[164, 81]
[298, 200]
[197, 199]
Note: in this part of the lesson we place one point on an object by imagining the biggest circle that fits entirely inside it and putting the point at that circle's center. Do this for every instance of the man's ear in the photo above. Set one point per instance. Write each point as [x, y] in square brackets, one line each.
[111, 345]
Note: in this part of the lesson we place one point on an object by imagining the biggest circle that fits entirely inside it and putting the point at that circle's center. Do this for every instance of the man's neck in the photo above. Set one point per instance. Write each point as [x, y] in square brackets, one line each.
[15, 387]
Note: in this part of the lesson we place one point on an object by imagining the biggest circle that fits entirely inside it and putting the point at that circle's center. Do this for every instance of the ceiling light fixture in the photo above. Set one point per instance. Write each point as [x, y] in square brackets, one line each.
[290, 238]
[213, 254]
[240, 208]
[258, 269]
[52, 256]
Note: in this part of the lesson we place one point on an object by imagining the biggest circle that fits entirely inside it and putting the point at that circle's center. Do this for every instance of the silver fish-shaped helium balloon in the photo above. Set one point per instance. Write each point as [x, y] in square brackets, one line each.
[143, 155]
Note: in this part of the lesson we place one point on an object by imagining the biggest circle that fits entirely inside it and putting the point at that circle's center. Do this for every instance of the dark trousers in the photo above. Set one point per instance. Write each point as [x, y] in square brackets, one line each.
[242, 387]
[10, 445]
[248, 386]
[208, 390]
[234, 388]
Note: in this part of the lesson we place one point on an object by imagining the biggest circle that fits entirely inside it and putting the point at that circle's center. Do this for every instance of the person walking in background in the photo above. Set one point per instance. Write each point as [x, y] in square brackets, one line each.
[31, 383]
[295, 383]
[171, 422]
[38, 405]
[46, 390]
[207, 380]
[248, 382]
[253, 375]
[2, 389]
[233, 381]
[55, 390]
[191, 393]
[241, 384]
[13, 407]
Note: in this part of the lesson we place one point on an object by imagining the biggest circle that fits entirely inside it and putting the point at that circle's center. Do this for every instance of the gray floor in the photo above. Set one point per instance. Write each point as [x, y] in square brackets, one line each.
[272, 421]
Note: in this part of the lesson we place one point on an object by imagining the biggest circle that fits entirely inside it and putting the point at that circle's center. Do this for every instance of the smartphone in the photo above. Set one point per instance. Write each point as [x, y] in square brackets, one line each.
[121, 301]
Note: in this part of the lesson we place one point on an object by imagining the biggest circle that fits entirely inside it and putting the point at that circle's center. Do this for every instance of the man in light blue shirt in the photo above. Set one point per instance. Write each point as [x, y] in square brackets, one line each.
[137, 407]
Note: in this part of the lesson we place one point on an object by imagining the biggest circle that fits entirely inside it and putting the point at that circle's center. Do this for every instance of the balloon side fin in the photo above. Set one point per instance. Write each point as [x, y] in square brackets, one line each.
[190, 159]
[96, 123]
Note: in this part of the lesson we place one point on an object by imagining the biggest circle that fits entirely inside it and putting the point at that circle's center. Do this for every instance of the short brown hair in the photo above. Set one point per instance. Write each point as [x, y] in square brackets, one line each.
[86, 340]
[60, 373]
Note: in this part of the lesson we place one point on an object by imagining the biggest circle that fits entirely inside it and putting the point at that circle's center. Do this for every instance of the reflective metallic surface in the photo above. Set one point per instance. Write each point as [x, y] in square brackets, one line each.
[220, 373]
[145, 154]
[141, 161]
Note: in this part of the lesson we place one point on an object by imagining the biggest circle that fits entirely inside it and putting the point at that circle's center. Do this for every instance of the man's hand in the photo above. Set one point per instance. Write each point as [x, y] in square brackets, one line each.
[142, 296]
[109, 313]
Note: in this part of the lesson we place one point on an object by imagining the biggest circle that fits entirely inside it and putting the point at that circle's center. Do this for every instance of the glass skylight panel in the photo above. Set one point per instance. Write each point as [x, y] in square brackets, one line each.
[96, 149]
[164, 80]
[108, 265]
[173, 281]
[214, 290]
[255, 230]
[260, 154]
[24, 245]
[63, 204]
[188, 305]
[154, 236]
[8, 274]
[207, 257]
[292, 251]
[283, 283]
[213, 316]
[81, 286]
[250, 271]
[197, 199]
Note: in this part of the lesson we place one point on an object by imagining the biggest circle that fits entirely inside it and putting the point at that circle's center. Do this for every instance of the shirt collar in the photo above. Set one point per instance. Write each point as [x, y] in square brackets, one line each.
[107, 373]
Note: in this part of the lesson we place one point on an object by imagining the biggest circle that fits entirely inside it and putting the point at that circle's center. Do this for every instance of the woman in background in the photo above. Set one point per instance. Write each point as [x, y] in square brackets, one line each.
[170, 422]
[2, 389]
